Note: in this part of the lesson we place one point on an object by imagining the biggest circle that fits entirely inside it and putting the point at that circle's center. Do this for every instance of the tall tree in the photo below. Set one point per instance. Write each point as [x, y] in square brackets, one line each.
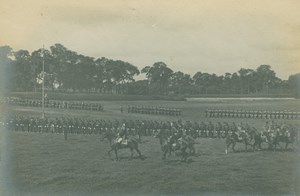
[265, 77]
[294, 83]
[181, 83]
[36, 64]
[159, 75]
[99, 75]
[23, 75]
[246, 79]
[7, 70]
[64, 68]
[203, 81]
[118, 73]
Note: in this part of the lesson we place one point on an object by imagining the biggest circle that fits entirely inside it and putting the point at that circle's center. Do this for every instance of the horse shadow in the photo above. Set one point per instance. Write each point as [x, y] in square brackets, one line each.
[178, 161]
[243, 151]
[142, 157]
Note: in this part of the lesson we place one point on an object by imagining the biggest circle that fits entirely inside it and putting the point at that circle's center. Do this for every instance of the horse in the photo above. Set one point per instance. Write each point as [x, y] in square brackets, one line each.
[132, 144]
[171, 144]
[165, 143]
[189, 141]
[287, 137]
[233, 138]
[179, 147]
[259, 139]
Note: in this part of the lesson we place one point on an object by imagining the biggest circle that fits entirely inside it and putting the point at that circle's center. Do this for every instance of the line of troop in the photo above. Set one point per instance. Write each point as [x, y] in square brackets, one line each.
[258, 114]
[154, 110]
[53, 104]
[134, 127]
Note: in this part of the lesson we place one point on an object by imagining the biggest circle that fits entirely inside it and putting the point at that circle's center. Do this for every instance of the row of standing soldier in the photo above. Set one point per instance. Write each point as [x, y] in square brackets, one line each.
[154, 110]
[54, 104]
[258, 114]
[132, 127]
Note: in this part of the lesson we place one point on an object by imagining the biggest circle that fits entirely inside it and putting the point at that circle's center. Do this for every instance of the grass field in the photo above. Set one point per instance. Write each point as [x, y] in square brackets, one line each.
[47, 164]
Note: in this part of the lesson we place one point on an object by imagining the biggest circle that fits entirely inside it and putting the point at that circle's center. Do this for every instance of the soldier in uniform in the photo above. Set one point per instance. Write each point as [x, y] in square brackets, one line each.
[202, 129]
[206, 113]
[225, 129]
[219, 130]
[122, 135]
[210, 129]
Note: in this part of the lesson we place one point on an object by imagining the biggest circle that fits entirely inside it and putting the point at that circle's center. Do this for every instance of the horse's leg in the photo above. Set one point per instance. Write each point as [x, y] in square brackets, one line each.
[139, 152]
[253, 146]
[193, 151]
[169, 149]
[233, 145]
[259, 146]
[184, 155]
[286, 145]
[164, 155]
[280, 146]
[275, 146]
[131, 151]
[109, 152]
[116, 152]
[270, 145]
[227, 146]
[136, 148]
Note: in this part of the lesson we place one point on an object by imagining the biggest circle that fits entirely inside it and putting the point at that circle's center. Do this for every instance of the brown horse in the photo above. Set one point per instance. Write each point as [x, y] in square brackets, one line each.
[131, 143]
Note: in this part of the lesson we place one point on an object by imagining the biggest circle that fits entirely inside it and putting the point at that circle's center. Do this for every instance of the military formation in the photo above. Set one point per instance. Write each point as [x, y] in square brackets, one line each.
[258, 114]
[132, 127]
[154, 110]
[53, 104]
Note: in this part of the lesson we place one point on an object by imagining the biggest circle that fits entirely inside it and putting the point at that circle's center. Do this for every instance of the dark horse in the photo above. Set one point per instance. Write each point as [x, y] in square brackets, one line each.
[287, 137]
[132, 144]
[169, 144]
[188, 141]
[259, 139]
[233, 138]
[165, 143]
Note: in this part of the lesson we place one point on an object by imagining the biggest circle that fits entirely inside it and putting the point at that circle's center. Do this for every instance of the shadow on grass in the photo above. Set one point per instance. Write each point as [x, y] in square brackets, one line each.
[178, 161]
[128, 158]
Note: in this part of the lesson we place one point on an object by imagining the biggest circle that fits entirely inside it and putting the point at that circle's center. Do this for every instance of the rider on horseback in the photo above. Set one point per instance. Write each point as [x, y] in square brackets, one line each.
[122, 135]
[240, 132]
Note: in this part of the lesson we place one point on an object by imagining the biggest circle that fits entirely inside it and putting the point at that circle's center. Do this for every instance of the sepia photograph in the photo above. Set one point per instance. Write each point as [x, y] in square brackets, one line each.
[149, 97]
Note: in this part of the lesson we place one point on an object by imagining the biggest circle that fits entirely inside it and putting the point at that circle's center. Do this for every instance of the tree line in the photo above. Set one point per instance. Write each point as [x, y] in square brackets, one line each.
[68, 71]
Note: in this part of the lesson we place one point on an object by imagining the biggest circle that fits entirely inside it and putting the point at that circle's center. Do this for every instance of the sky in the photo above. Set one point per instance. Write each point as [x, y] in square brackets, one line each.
[214, 36]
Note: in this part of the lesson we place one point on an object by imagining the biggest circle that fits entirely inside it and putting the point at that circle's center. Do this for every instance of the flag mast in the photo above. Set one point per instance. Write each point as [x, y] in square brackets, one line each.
[43, 88]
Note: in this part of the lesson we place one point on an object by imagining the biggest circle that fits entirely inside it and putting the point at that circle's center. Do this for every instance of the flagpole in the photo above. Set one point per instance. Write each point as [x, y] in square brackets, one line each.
[43, 90]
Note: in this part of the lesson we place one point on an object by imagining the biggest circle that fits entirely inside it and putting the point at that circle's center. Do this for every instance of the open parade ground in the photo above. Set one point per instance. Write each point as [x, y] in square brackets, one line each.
[47, 163]
[150, 97]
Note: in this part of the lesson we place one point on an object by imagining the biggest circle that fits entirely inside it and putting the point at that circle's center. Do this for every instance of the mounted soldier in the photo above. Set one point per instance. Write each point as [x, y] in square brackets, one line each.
[122, 135]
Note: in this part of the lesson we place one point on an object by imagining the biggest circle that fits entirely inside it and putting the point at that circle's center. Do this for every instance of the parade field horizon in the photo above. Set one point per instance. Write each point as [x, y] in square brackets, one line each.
[76, 96]
[45, 163]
